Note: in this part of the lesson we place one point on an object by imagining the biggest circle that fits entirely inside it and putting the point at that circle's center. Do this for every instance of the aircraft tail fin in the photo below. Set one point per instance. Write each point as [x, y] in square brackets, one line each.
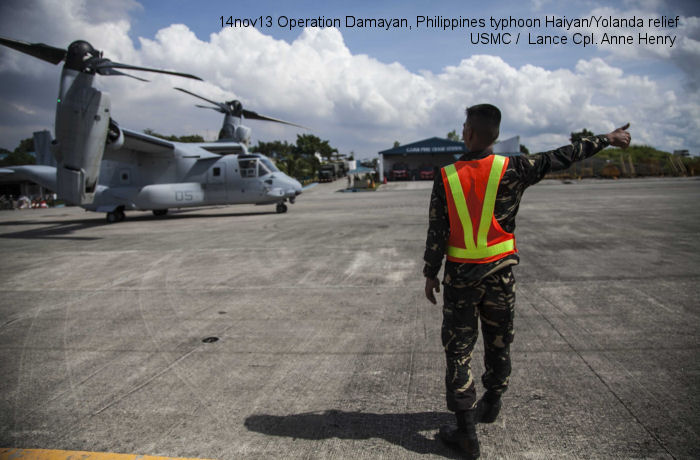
[42, 147]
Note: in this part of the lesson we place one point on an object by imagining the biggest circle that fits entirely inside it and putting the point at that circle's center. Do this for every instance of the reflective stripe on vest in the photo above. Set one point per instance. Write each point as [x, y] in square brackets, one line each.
[479, 249]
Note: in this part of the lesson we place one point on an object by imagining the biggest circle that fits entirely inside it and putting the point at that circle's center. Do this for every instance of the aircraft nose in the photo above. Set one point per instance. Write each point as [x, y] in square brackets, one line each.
[292, 186]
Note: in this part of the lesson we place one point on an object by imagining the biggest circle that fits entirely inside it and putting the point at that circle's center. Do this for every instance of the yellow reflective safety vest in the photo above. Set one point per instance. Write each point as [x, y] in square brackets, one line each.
[470, 188]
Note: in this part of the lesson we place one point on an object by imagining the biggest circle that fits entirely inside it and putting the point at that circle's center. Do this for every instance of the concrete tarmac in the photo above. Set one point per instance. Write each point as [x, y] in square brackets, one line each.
[326, 345]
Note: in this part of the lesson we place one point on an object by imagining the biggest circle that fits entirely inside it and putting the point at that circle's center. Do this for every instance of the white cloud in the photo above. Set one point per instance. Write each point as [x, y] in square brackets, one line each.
[538, 4]
[24, 109]
[683, 52]
[354, 100]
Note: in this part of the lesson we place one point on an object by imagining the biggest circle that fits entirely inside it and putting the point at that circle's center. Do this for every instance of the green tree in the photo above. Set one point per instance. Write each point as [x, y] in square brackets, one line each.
[339, 156]
[453, 136]
[576, 136]
[293, 167]
[298, 160]
[190, 138]
[275, 149]
[20, 156]
[397, 144]
[25, 145]
[308, 145]
[305, 164]
[174, 138]
[524, 149]
[371, 163]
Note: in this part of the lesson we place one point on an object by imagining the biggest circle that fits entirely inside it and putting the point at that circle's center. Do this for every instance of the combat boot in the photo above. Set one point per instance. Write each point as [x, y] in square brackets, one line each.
[488, 407]
[463, 436]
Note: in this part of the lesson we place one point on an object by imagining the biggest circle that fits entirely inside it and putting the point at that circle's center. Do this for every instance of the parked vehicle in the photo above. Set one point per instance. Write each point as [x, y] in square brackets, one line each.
[328, 172]
[427, 173]
[399, 172]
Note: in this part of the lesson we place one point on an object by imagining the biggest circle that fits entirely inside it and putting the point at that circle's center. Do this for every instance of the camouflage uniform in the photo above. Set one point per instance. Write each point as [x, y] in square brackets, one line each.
[487, 291]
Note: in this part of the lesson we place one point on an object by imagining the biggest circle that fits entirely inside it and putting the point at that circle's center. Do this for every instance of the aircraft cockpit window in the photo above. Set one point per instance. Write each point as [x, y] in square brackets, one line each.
[262, 170]
[270, 165]
[248, 167]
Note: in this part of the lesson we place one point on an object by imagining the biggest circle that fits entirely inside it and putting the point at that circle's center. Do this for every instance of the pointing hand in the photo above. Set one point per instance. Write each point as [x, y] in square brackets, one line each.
[620, 137]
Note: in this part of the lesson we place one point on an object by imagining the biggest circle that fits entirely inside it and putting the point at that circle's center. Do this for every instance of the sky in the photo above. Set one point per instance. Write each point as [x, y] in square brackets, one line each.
[362, 88]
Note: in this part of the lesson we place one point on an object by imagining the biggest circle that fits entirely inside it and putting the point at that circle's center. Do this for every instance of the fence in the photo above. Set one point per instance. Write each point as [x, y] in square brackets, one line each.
[622, 165]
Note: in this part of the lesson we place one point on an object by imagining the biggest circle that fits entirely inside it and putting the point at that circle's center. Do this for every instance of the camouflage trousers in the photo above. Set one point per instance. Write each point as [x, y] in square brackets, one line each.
[491, 299]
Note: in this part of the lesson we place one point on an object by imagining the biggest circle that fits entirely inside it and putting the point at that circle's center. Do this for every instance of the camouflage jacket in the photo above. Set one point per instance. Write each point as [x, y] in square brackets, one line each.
[522, 171]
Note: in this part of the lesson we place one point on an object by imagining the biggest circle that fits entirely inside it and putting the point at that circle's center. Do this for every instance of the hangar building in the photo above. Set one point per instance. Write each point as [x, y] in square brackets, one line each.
[431, 153]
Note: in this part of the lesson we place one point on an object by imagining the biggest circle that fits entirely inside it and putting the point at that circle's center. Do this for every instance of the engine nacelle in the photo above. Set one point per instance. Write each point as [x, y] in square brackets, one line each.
[82, 122]
[115, 136]
[242, 134]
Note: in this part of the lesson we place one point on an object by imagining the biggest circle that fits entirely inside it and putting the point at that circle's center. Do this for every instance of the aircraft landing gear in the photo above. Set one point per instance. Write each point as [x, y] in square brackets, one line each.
[115, 216]
[281, 207]
[160, 212]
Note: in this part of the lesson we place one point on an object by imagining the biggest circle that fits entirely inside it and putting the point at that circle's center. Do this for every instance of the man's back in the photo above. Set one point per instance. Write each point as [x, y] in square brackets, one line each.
[480, 247]
[522, 171]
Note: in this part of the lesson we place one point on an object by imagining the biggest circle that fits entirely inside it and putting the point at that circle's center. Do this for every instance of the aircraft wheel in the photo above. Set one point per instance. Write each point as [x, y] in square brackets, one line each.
[116, 216]
[160, 212]
[281, 207]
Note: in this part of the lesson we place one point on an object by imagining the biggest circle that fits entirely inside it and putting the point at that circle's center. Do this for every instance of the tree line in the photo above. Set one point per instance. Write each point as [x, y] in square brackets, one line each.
[298, 160]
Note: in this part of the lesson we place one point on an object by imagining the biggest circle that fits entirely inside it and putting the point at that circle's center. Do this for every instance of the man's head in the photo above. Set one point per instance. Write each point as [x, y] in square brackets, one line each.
[481, 127]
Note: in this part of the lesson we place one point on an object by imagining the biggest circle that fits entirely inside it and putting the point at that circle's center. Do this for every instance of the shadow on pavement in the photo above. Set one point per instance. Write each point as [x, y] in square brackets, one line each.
[62, 229]
[182, 214]
[54, 230]
[405, 430]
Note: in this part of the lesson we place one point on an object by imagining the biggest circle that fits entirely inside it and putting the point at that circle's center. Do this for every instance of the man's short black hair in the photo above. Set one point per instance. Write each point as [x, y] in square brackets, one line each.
[485, 120]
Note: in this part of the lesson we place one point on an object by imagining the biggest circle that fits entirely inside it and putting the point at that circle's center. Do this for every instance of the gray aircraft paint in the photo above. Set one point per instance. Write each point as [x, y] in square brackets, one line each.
[189, 175]
[105, 168]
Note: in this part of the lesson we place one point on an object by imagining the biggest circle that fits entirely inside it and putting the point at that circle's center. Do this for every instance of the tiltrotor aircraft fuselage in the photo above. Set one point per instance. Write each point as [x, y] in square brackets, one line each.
[106, 168]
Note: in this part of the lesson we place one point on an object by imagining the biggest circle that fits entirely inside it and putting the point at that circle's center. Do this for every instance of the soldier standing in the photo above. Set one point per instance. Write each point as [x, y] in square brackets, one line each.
[472, 219]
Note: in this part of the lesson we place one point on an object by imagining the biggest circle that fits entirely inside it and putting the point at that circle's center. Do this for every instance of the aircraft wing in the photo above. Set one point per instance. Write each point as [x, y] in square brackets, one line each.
[141, 142]
[40, 174]
[222, 148]
[144, 143]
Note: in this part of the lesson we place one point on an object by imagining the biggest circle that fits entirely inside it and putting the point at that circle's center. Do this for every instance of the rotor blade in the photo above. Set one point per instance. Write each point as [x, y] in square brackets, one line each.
[109, 64]
[218, 109]
[110, 71]
[254, 116]
[218, 104]
[246, 113]
[38, 50]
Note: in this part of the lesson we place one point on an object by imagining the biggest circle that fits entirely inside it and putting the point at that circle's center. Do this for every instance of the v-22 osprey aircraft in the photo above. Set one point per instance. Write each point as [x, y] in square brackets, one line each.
[104, 167]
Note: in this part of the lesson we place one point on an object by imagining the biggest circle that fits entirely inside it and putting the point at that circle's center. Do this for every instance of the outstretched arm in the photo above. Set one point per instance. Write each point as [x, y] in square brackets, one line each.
[532, 168]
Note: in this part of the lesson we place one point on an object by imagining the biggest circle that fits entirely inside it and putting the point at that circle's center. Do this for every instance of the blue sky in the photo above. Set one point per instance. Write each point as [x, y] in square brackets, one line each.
[415, 49]
[364, 88]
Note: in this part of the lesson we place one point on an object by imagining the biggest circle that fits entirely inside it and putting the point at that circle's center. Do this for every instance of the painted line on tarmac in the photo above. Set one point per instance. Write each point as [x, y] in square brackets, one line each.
[50, 454]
